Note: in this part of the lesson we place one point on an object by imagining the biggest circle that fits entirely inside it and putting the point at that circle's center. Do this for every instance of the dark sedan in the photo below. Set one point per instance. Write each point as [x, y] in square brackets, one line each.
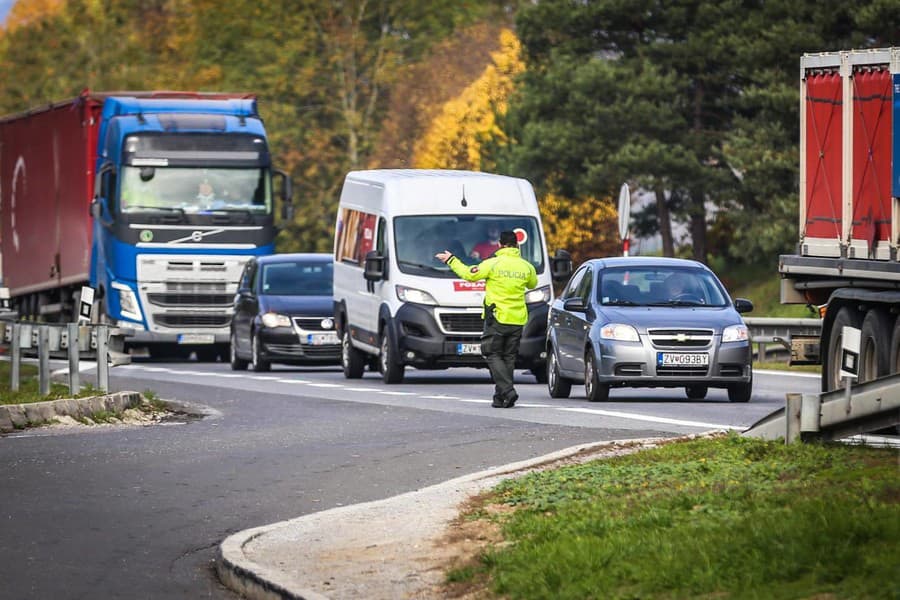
[648, 322]
[283, 313]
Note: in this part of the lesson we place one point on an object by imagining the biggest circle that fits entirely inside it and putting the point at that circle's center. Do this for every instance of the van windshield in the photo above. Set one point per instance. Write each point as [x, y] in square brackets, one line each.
[472, 238]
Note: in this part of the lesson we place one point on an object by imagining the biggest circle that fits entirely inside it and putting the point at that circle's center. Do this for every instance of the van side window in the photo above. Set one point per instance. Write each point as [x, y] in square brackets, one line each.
[380, 243]
[356, 236]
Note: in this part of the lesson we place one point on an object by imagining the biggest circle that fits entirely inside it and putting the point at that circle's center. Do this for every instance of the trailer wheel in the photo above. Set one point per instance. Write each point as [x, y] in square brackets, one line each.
[831, 374]
[874, 345]
[895, 349]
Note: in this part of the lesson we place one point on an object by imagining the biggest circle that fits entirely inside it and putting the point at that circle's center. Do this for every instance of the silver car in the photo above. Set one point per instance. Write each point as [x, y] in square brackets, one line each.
[648, 322]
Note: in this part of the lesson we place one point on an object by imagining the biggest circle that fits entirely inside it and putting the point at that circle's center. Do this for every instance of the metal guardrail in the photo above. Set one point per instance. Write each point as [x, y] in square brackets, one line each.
[770, 330]
[103, 343]
[861, 408]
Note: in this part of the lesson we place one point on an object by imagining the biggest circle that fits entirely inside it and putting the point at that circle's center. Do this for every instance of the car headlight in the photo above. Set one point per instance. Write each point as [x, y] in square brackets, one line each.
[408, 294]
[271, 319]
[128, 303]
[541, 294]
[620, 332]
[735, 333]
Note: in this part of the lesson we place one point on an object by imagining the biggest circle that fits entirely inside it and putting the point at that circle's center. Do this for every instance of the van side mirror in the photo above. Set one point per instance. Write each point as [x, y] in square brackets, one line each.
[374, 267]
[742, 305]
[561, 266]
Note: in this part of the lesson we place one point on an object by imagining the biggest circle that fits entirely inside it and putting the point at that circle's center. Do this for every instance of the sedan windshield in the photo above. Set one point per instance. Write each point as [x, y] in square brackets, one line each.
[195, 190]
[471, 238]
[660, 286]
[297, 278]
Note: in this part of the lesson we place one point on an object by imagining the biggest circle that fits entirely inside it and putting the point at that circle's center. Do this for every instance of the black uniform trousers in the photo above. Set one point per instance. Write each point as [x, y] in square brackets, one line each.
[500, 345]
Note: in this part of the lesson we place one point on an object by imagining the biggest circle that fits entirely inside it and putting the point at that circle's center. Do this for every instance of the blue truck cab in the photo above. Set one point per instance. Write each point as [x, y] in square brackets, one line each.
[183, 197]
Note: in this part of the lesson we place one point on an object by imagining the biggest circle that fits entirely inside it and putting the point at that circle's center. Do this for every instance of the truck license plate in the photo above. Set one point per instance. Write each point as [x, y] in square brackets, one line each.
[196, 338]
[682, 359]
[468, 348]
[322, 339]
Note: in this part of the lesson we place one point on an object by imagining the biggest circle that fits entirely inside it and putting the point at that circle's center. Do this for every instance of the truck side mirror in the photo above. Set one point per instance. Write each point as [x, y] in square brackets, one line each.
[96, 209]
[561, 266]
[374, 267]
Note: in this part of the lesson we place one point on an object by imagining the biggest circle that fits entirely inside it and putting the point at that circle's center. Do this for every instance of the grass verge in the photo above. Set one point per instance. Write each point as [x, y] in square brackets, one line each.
[29, 387]
[727, 517]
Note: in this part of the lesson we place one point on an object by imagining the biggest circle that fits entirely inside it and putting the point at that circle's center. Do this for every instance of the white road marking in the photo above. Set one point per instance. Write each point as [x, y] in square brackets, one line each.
[389, 393]
[789, 373]
[361, 390]
[325, 385]
[636, 417]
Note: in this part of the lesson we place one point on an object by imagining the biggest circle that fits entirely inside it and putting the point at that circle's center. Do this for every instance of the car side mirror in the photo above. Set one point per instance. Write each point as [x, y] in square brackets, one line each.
[374, 267]
[561, 266]
[742, 305]
[574, 305]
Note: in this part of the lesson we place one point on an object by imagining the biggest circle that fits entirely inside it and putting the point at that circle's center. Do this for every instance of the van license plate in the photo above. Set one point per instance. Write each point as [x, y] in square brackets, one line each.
[321, 339]
[682, 359]
[468, 348]
[196, 338]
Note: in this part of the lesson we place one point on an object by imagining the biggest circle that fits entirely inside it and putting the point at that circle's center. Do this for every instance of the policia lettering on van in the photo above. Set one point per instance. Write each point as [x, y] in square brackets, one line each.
[508, 276]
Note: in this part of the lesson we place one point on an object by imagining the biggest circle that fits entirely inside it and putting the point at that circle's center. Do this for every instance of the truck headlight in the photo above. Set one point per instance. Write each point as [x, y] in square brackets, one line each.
[735, 333]
[273, 320]
[619, 332]
[128, 302]
[541, 294]
[408, 294]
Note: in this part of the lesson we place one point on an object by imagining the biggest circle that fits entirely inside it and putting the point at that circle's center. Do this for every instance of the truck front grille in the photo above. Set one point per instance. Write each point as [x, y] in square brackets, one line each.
[217, 300]
[192, 320]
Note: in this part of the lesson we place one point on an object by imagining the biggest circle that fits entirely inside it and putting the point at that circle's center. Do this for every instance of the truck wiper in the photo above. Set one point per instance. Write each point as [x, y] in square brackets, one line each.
[420, 266]
[174, 209]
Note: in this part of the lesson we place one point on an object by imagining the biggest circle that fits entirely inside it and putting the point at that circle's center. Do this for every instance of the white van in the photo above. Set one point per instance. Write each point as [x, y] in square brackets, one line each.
[397, 305]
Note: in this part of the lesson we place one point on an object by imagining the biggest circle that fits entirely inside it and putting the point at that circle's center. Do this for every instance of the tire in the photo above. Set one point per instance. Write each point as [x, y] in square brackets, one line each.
[540, 373]
[352, 360]
[741, 392]
[831, 373]
[257, 363]
[875, 345]
[593, 389]
[696, 392]
[894, 363]
[391, 368]
[559, 386]
[237, 364]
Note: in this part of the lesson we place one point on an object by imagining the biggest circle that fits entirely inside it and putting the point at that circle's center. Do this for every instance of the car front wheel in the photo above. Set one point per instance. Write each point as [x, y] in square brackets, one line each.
[593, 389]
[559, 386]
[257, 363]
[237, 364]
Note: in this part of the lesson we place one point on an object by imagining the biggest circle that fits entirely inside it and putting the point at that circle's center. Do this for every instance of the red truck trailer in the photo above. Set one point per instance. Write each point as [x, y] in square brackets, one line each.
[47, 159]
[846, 262]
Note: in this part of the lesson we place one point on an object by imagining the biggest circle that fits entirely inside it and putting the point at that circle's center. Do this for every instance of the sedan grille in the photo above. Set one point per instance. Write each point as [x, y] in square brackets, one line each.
[312, 323]
[681, 338]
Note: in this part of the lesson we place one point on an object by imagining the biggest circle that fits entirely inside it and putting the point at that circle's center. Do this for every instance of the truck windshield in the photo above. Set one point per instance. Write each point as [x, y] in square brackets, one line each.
[472, 238]
[196, 190]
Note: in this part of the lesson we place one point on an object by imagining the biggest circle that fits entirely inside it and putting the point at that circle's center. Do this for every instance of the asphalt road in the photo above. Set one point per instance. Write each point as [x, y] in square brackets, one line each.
[138, 512]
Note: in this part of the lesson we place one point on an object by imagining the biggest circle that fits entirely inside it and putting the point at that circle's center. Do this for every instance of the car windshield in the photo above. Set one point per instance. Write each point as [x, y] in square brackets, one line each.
[472, 238]
[196, 190]
[297, 278]
[660, 286]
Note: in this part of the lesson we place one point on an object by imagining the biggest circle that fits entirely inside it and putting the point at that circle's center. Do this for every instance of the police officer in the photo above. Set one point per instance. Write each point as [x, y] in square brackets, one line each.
[508, 275]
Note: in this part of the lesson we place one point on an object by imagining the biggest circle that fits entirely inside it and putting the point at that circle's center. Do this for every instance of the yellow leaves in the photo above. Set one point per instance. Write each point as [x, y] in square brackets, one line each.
[455, 136]
[27, 12]
[585, 227]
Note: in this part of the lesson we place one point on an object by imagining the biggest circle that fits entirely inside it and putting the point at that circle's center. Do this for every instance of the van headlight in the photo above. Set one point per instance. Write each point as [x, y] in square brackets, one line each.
[408, 294]
[619, 332]
[128, 303]
[735, 333]
[541, 294]
[273, 320]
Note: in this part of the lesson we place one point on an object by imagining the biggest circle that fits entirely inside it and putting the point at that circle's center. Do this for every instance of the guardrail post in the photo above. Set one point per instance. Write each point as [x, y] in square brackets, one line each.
[102, 360]
[74, 382]
[792, 417]
[761, 352]
[16, 357]
[44, 359]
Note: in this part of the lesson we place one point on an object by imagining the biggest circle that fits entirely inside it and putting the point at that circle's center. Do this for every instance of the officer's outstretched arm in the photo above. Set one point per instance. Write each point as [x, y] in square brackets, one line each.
[464, 271]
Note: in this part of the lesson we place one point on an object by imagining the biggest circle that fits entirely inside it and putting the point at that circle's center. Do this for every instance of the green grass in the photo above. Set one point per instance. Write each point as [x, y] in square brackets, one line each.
[713, 518]
[762, 286]
[29, 386]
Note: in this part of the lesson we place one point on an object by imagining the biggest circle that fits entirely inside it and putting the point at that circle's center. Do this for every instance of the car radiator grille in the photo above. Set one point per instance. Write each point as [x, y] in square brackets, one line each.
[311, 323]
[301, 350]
[682, 371]
[681, 339]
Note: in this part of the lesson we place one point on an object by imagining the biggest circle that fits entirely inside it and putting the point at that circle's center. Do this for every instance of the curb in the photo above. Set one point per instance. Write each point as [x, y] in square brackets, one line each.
[258, 581]
[15, 417]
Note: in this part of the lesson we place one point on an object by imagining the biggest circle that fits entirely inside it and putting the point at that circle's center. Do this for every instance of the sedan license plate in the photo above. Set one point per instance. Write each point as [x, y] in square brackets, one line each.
[321, 339]
[468, 348]
[196, 338]
[682, 359]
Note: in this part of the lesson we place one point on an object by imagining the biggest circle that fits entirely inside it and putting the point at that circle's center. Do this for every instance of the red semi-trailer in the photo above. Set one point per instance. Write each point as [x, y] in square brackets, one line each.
[847, 256]
[47, 159]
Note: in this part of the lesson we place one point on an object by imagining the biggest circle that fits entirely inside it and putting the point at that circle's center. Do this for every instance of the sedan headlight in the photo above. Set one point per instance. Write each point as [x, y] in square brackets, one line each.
[619, 332]
[735, 333]
[408, 294]
[541, 294]
[272, 320]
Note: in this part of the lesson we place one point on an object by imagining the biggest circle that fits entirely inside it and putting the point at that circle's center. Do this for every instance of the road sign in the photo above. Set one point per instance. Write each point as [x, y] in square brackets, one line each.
[850, 352]
[86, 303]
[624, 216]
